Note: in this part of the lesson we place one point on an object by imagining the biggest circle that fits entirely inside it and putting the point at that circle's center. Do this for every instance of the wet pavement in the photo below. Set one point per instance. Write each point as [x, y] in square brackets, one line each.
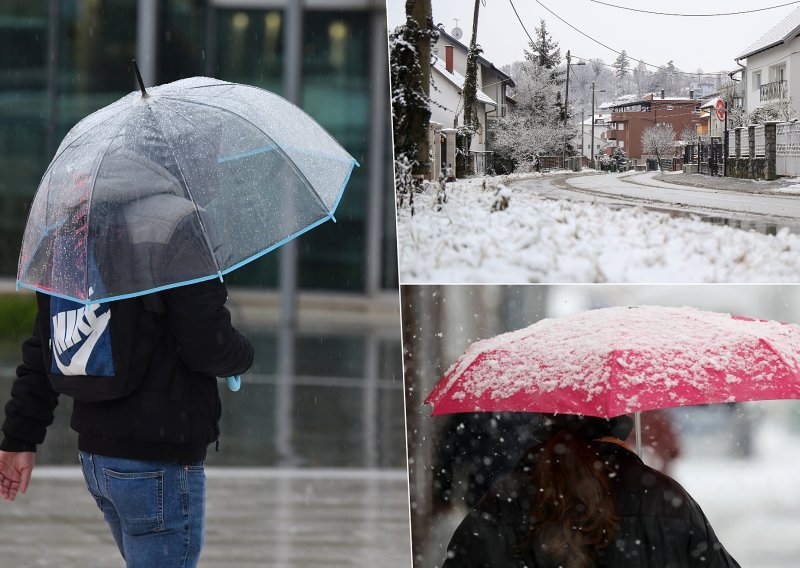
[255, 517]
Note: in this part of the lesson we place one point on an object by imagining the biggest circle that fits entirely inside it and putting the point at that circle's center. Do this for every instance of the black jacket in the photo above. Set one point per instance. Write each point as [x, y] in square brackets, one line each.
[661, 525]
[174, 413]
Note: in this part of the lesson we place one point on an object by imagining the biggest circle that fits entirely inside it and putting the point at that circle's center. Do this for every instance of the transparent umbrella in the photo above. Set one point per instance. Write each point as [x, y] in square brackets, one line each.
[175, 185]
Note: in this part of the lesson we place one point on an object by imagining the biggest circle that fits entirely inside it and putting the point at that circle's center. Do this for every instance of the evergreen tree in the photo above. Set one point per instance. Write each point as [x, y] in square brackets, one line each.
[622, 64]
[544, 50]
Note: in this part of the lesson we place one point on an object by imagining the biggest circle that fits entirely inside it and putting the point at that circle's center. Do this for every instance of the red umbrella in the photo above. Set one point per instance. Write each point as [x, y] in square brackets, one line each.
[615, 361]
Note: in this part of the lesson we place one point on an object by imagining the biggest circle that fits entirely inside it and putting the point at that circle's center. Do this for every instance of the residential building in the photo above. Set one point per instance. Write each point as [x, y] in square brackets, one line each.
[583, 140]
[630, 119]
[772, 65]
[450, 67]
[711, 125]
[447, 87]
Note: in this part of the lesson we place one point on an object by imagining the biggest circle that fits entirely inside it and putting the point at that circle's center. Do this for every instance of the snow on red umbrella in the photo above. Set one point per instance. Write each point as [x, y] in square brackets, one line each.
[614, 361]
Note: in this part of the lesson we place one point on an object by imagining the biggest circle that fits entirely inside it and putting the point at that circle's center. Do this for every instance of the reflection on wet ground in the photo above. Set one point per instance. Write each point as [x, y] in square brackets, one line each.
[342, 407]
[255, 517]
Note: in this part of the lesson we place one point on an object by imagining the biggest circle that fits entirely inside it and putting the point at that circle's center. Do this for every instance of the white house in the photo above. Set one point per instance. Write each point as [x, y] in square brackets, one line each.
[772, 67]
[583, 140]
[447, 89]
[712, 126]
[448, 70]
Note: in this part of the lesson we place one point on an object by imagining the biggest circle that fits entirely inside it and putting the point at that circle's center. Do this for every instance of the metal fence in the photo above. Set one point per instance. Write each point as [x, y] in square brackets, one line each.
[731, 143]
[760, 141]
[482, 162]
[787, 160]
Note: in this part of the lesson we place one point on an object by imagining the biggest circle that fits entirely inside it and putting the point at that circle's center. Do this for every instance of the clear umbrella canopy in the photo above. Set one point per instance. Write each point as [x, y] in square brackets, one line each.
[187, 183]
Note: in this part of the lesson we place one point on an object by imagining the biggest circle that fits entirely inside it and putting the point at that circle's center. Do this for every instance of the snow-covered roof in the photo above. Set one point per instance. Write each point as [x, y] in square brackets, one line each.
[712, 102]
[786, 30]
[450, 39]
[457, 79]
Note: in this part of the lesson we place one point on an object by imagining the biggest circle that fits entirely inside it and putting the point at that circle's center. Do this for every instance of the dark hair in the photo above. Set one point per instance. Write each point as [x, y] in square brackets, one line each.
[573, 515]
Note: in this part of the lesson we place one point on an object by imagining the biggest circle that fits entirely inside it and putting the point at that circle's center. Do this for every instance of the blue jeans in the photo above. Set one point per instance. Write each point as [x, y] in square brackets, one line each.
[155, 509]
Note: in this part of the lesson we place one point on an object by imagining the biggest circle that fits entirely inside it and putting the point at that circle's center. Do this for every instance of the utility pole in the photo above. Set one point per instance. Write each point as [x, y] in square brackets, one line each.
[566, 113]
[583, 119]
[471, 87]
[592, 157]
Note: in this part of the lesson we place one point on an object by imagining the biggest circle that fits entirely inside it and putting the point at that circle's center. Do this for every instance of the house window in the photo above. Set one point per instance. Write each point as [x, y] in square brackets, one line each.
[621, 143]
[757, 80]
[621, 126]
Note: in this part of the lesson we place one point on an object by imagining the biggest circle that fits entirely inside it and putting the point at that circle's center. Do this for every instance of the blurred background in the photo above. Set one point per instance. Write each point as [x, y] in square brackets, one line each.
[63, 59]
[325, 392]
[740, 462]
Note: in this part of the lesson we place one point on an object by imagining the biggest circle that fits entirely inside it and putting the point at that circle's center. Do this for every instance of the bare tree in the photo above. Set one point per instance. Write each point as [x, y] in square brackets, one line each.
[659, 140]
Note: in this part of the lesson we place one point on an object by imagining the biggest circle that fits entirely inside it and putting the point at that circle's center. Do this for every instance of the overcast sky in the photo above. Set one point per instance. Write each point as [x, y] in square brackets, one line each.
[710, 44]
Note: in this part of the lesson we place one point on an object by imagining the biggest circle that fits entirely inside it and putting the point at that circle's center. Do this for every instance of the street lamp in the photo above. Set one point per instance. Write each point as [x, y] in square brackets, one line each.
[566, 106]
[593, 91]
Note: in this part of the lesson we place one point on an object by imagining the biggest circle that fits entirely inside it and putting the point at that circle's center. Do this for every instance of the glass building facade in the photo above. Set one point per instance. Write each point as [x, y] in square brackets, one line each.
[63, 59]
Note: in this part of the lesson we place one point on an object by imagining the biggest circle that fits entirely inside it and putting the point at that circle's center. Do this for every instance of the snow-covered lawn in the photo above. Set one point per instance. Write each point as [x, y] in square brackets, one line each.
[541, 240]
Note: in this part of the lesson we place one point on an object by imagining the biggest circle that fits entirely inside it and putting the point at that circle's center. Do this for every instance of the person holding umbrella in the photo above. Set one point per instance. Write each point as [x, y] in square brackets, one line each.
[582, 499]
[142, 448]
[145, 207]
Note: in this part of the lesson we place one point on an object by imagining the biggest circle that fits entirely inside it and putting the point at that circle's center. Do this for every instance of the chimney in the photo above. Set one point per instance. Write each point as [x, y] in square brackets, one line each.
[448, 58]
[691, 93]
[662, 93]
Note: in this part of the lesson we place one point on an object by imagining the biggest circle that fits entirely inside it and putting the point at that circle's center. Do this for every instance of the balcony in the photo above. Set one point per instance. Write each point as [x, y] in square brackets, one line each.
[774, 91]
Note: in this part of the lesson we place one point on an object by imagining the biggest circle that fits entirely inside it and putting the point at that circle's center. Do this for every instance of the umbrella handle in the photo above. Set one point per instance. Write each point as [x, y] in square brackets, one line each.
[234, 383]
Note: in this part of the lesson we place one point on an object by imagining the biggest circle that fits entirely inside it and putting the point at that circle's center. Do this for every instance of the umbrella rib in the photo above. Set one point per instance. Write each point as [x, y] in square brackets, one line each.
[270, 93]
[89, 201]
[72, 143]
[188, 189]
[296, 169]
[168, 107]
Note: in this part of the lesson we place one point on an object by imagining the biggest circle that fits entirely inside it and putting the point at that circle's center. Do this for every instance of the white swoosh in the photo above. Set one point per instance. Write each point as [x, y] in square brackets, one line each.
[81, 357]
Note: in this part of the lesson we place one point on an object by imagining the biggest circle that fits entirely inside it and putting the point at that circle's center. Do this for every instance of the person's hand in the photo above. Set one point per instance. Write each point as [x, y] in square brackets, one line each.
[15, 473]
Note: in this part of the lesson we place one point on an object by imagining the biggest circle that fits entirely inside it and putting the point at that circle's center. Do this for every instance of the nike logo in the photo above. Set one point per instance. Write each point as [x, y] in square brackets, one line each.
[73, 327]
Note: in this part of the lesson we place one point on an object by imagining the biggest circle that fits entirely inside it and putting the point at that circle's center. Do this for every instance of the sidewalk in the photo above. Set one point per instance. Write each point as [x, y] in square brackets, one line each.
[728, 183]
[255, 518]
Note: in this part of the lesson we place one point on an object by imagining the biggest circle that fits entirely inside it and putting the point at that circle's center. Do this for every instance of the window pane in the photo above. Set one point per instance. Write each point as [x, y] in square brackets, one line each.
[336, 92]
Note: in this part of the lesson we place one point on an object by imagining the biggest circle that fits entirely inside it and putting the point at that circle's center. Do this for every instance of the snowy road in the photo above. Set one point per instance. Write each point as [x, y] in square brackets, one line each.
[643, 189]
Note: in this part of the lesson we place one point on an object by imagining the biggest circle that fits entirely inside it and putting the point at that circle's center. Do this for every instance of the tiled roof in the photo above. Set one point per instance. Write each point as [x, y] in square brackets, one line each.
[785, 30]
[458, 80]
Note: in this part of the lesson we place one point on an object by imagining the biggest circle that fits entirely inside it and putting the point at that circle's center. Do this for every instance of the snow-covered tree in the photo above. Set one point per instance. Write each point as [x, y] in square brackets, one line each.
[544, 49]
[534, 127]
[410, 79]
[659, 141]
[621, 65]
[641, 78]
[689, 134]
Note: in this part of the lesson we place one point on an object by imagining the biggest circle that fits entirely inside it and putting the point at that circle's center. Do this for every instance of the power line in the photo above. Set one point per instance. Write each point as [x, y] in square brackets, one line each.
[695, 15]
[520, 21]
[619, 52]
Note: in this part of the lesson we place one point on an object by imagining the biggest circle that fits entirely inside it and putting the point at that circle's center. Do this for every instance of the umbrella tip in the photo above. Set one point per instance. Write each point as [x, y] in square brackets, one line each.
[139, 78]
